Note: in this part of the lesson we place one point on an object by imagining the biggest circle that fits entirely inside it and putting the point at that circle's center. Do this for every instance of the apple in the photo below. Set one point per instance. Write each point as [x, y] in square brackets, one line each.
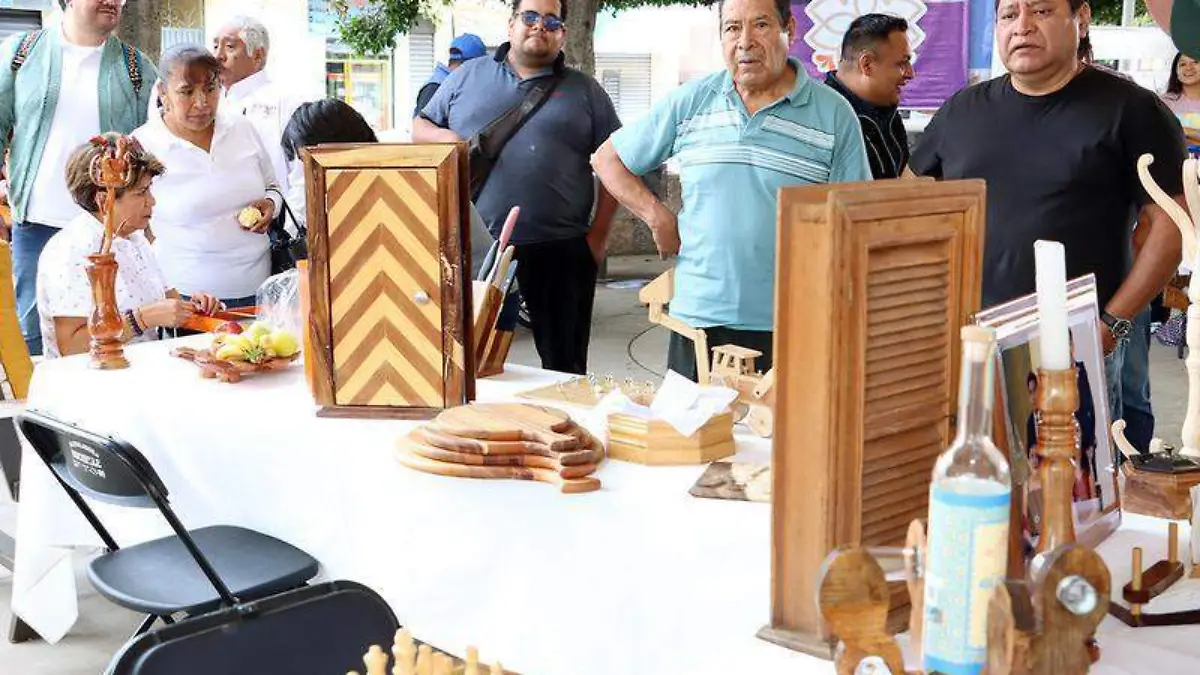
[231, 327]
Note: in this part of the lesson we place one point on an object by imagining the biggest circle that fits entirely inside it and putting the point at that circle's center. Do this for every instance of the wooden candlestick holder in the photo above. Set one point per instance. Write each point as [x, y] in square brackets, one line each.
[104, 324]
[1058, 452]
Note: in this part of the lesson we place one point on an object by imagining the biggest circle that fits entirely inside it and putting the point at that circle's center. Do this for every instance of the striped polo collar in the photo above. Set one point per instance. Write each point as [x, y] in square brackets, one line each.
[799, 95]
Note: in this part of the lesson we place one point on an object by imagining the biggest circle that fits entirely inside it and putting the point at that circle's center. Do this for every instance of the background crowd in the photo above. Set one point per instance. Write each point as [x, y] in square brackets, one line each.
[218, 175]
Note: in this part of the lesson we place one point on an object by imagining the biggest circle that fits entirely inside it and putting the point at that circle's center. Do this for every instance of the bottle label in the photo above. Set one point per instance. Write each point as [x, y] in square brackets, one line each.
[966, 559]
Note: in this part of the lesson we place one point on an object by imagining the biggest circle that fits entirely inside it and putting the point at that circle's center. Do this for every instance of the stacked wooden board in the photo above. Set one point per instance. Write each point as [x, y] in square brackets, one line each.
[505, 440]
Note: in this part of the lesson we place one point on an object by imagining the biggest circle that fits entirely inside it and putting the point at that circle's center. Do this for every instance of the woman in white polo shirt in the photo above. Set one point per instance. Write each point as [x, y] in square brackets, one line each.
[64, 294]
[216, 167]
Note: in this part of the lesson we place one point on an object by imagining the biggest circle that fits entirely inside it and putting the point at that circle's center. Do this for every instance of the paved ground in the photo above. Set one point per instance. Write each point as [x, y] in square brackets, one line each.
[621, 345]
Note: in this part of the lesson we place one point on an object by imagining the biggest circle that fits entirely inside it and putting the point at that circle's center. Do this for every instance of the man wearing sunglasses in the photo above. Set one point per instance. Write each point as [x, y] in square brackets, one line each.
[59, 87]
[542, 167]
[738, 135]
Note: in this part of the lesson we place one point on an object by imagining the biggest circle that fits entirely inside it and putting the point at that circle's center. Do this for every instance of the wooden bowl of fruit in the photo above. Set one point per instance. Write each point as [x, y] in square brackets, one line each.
[230, 355]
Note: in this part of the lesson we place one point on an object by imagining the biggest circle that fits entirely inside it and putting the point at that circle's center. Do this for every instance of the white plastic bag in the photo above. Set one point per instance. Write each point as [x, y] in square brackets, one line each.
[279, 302]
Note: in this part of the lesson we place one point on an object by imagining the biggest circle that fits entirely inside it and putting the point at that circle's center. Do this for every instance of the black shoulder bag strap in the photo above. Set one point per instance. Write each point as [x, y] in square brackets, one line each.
[23, 49]
[486, 145]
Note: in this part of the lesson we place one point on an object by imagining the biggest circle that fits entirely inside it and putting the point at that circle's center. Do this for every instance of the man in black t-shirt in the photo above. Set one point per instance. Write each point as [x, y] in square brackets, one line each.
[1058, 144]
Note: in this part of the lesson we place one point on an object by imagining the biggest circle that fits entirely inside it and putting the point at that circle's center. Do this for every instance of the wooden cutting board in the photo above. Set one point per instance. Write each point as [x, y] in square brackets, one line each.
[435, 438]
[533, 461]
[426, 465]
[508, 422]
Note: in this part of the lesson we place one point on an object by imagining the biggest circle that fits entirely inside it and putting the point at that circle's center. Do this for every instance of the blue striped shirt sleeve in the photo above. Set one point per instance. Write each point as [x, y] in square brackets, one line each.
[644, 145]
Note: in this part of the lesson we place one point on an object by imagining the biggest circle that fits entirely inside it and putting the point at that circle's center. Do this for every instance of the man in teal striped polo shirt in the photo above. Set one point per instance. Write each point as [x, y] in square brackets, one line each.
[738, 136]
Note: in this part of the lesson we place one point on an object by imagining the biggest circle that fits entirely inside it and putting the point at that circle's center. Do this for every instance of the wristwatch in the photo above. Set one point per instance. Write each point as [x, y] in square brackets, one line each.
[1120, 328]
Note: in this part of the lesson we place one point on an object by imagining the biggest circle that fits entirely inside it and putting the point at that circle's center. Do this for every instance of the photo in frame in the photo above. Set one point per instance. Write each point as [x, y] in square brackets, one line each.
[1096, 494]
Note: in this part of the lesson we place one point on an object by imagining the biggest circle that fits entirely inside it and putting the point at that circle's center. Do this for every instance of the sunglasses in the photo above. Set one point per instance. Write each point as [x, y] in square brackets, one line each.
[549, 21]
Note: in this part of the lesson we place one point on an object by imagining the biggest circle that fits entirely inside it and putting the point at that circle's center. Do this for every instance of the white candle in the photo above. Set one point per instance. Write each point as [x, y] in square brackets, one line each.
[1052, 304]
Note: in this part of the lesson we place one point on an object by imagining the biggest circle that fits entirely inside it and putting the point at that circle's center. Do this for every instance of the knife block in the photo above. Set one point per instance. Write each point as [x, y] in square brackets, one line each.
[491, 344]
[389, 294]
[865, 372]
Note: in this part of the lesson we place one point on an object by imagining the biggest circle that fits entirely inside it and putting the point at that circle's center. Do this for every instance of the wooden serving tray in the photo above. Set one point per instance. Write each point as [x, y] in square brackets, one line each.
[587, 467]
[509, 422]
[426, 465]
[229, 371]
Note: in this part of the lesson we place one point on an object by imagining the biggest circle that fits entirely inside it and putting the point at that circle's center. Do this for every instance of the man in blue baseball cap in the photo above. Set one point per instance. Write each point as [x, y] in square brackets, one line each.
[462, 49]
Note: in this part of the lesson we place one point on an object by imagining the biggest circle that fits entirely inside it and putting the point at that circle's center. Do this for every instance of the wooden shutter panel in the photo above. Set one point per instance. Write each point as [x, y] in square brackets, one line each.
[866, 370]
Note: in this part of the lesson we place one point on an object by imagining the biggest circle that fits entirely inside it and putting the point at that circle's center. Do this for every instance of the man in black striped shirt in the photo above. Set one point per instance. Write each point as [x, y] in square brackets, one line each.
[876, 64]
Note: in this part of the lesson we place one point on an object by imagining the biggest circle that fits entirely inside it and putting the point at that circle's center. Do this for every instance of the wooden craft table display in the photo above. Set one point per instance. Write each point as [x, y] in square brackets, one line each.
[389, 279]
[866, 370]
[637, 578]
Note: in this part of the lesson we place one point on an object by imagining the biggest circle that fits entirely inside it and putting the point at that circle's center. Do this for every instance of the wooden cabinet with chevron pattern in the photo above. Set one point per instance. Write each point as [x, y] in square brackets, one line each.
[389, 285]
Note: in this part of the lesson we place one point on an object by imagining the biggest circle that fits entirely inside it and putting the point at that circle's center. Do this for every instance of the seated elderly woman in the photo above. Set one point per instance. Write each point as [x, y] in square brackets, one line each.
[207, 236]
[64, 295]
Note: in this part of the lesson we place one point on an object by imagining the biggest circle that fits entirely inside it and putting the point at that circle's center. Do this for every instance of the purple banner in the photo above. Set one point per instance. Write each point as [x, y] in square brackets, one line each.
[938, 33]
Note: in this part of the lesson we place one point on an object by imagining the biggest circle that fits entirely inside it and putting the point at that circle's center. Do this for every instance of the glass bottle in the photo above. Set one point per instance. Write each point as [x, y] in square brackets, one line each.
[967, 551]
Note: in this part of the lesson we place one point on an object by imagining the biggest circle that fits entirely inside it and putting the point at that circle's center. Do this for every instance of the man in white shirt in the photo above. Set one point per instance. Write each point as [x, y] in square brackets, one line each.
[242, 46]
[60, 87]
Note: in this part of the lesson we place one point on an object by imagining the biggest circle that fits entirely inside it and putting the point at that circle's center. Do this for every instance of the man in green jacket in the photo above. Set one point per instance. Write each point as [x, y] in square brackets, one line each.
[66, 84]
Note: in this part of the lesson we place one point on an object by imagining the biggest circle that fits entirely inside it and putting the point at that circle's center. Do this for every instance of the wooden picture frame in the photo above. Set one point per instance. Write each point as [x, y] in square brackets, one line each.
[389, 279]
[1016, 326]
[866, 372]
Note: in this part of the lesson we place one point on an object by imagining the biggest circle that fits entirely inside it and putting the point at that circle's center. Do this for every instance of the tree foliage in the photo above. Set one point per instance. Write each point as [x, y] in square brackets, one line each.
[1108, 13]
[370, 26]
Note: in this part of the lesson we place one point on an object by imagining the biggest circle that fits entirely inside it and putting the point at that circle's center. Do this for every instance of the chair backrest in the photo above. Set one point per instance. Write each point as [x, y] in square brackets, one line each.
[314, 629]
[10, 457]
[101, 467]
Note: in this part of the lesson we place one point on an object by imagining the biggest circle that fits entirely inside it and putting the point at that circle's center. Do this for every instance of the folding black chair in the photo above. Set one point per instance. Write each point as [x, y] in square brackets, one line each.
[191, 572]
[320, 630]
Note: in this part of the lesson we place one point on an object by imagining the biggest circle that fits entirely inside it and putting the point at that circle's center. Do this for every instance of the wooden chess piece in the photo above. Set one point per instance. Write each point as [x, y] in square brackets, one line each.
[404, 651]
[424, 660]
[376, 661]
[472, 663]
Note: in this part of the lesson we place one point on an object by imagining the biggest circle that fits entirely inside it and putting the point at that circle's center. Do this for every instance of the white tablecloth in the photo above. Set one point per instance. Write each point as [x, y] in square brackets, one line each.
[639, 577]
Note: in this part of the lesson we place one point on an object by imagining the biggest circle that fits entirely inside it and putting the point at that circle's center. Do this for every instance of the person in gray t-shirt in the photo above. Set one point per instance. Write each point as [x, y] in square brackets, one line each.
[544, 168]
